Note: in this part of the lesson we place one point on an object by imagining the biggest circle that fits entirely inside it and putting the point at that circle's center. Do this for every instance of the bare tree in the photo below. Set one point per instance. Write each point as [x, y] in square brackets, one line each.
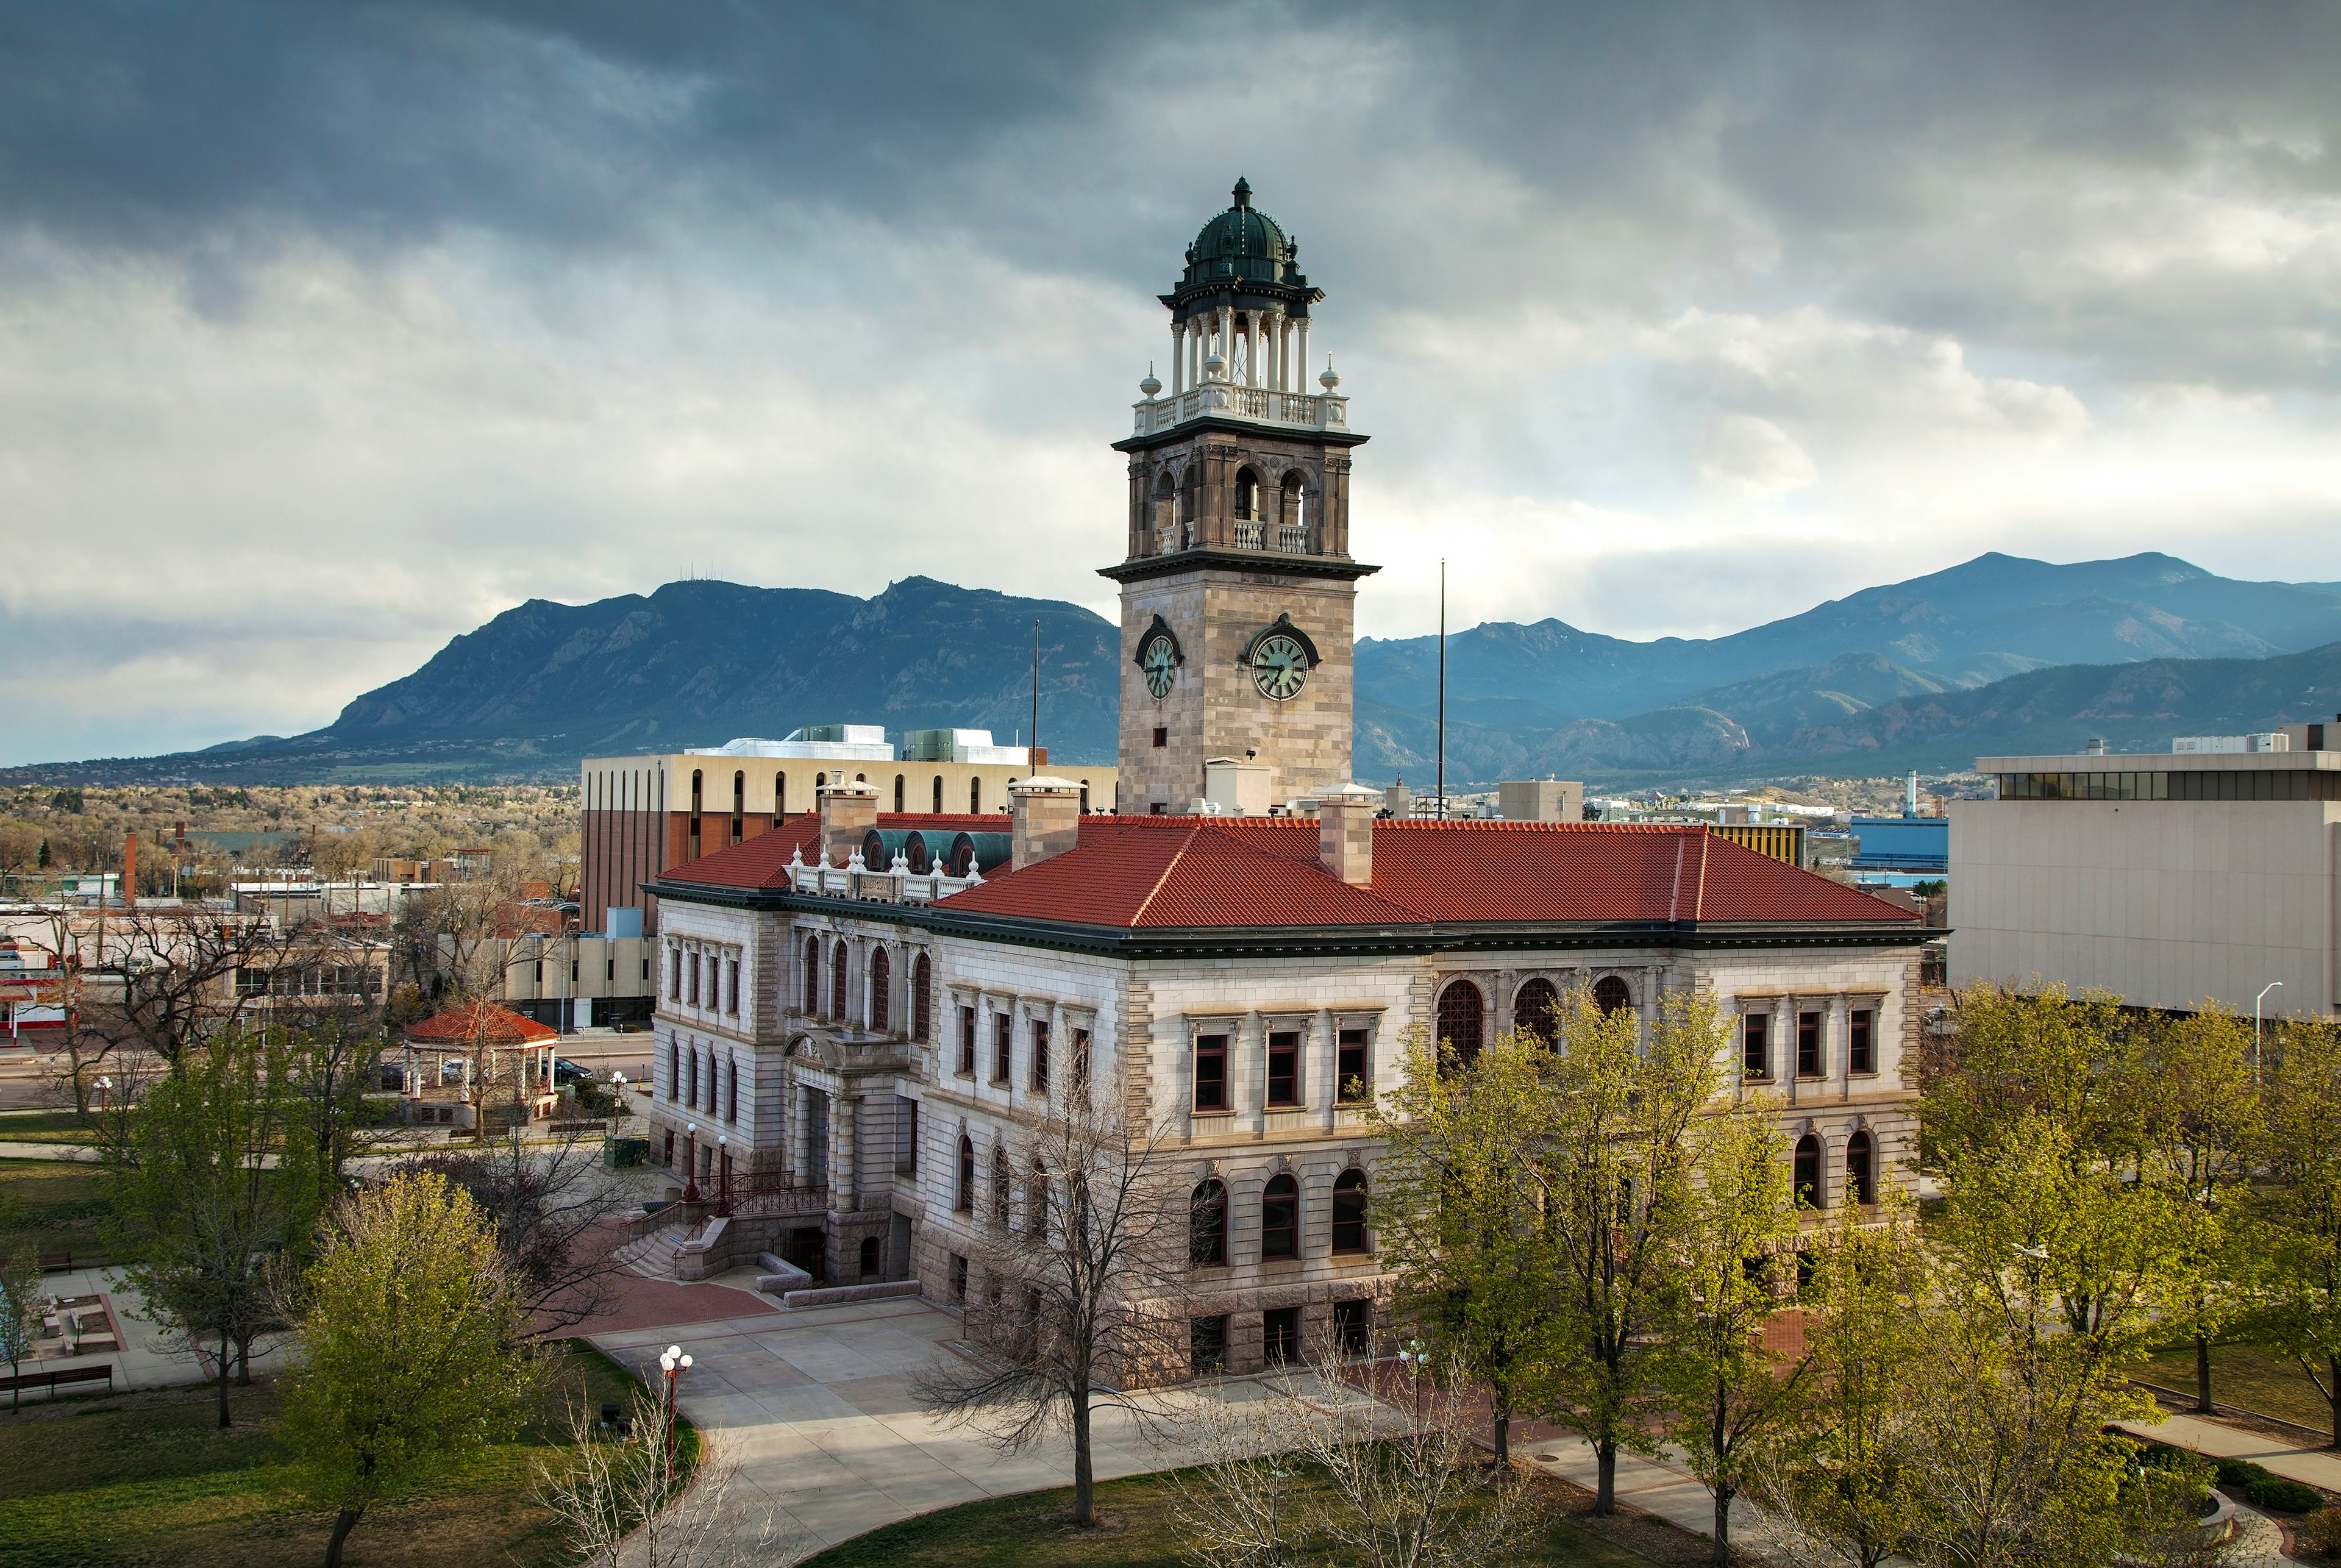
[1084, 1284]
[610, 1491]
[184, 976]
[1319, 1470]
[550, 1210]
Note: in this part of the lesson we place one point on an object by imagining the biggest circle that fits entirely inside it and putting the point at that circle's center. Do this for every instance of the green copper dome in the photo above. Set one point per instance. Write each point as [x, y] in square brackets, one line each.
[1241, 245]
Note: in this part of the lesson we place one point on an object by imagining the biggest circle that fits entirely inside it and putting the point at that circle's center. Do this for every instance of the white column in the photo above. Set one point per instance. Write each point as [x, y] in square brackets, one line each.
[1252, 339]
[1302, 385]
[1178, 358]
[1272, 331]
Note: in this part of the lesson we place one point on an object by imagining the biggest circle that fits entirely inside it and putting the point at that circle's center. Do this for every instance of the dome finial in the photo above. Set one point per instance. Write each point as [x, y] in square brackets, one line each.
[1243, 192]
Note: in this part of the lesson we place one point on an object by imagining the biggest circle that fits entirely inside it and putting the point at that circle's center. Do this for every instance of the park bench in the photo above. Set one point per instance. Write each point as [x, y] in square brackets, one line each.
[53, 1380]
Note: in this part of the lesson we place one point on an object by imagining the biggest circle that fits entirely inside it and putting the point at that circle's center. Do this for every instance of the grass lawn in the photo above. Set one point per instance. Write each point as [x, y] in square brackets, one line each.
[63, 1203]
[2249, 1377]
[1031, 1530]
[47, 1127]
[148, 1479]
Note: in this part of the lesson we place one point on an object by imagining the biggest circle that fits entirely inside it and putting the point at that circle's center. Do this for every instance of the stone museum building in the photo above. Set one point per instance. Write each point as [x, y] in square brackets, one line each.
[855, 1005]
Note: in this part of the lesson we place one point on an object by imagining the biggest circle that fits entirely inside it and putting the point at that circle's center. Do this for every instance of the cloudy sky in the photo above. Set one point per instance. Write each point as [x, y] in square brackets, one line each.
[327, 332]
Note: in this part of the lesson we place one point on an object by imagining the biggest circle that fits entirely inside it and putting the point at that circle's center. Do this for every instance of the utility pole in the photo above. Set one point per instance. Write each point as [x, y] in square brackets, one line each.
[1442, 689]
[1036, 693]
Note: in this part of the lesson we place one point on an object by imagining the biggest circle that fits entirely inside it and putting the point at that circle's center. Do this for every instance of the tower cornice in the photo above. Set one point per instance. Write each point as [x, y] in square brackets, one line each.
[1145, 567]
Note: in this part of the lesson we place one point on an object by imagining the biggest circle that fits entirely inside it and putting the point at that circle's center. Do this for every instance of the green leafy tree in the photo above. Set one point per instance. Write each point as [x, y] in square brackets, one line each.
[414, 1356]
[2298, 1203]
[1459, 1211]
[20, 1304]
[2200, 1119]
[1843, 1482]
[1614, 1151]
[207, 1188]
[1730, 1394]
[2046, 1054]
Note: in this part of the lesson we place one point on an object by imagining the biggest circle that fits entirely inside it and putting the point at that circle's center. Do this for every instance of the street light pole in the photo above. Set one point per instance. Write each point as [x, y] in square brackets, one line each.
[672, 1363]
[2271, 986]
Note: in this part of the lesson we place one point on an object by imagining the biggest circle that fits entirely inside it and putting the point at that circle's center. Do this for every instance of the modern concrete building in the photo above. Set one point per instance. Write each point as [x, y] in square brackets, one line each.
[645, 816]
[2166, 879]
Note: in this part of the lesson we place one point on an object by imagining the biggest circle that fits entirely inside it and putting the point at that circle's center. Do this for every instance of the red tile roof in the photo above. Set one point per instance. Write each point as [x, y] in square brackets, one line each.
[1143, 871]
[480, 1022]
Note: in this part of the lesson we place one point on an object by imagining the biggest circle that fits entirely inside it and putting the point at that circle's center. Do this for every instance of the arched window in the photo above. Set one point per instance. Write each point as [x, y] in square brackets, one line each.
[739, 805]
[837, 985]
[881, 979]
[1808, 1172]
[1611, 994]
[922, 1000]
[1462, 1020]
[966, 1202]
[1085, 797]
[1536, 1008]
[1207, 1224]
[780, 797]
[1036, 1202]
[812, 978]
[1861, 1169]
[898, 794]
[869, 1258]
[939, 794]
[1280, 1218]
[1349, 1212]
[819, 780]
[1003, 1187]
[1248, 495]
[974, 796]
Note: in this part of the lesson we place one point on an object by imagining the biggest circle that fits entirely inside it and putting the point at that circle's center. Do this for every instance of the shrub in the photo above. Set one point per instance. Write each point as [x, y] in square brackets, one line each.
[2321, 1530]
[2263, 1488]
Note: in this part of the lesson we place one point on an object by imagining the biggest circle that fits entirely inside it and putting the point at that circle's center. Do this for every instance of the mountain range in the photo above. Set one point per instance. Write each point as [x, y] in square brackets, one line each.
[1998, 655]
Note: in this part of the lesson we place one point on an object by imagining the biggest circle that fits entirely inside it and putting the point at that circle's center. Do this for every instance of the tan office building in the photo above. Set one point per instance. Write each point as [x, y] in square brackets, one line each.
[647, 815]
[2165, 878]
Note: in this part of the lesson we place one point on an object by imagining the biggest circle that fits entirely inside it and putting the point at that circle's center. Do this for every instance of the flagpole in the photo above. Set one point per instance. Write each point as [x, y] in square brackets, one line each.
[1442, 688]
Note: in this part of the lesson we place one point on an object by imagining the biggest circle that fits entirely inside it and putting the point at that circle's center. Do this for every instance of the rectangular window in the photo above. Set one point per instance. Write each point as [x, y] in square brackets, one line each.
[1756, 1045]
[1354, 1074]
[967, 1042]
[906, 1136]
[1003, 1047]
[1207, 1344]
[1809, 1045]
[695, 981]
[1284, 1067]
[959, 1278]
[1352, 1322]
[1210, 1071]
[610, 970]
[1861, 1052]
[1081, 1058]
[1162, 737]
[1280, 1336]
[732, 987]
[675, 974]
[1040, 1054]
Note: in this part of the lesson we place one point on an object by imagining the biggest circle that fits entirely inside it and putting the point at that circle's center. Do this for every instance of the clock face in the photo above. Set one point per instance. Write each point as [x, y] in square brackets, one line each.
[1159, 659]
[1279, 667]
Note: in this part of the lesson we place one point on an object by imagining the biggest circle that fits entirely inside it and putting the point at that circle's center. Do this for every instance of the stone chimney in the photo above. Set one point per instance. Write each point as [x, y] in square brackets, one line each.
[848, 813]
[1047, 813]
[129, 870]
[1345, 833]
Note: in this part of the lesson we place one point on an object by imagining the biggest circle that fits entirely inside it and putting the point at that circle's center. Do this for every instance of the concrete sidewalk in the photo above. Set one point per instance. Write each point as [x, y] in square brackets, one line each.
[2315, 1466]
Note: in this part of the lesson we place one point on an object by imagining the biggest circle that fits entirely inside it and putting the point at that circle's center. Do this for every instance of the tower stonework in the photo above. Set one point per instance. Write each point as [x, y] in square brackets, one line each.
[1238, 591]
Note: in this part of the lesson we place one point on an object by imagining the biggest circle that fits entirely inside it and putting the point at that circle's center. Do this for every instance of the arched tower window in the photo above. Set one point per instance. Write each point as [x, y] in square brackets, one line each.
[837, 983]
[698, 783]
[1207, 1224]
[1807, 1173]
[882, 978]
[1536, 1008]
[1861, 1169]
[1280, 1218]
[1611, 995]
[1349, 1212]
[1462, 1020]
[975, 797]
[966, 1199]
[922, 1000]
[1165, 519]
[1248, 495]
[780, 797]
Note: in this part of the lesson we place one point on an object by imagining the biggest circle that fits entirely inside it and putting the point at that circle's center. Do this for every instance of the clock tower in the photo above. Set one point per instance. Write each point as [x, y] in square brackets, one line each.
[1238, 593]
